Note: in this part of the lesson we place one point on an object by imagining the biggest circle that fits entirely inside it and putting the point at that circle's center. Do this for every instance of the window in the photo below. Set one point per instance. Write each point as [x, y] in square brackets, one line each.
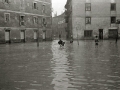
[7, 1]
[35, 20]
[88, 6]
[22, 20]
[43, 9]
[113, 20]
[7, 17]
[113, 6]
[112, 33]
[35, 5]
[44, 22]
[88, 33]
[88, 20]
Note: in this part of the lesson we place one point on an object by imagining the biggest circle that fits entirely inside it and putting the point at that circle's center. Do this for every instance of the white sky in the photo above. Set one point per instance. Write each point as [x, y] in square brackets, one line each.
[58, 6]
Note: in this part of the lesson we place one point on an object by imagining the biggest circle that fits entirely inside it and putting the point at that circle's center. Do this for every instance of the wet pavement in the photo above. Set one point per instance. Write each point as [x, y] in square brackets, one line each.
[51, 67]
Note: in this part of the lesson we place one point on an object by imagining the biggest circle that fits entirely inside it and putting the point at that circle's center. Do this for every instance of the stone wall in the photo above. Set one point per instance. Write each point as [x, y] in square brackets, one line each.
[100, 17]
[16, 8]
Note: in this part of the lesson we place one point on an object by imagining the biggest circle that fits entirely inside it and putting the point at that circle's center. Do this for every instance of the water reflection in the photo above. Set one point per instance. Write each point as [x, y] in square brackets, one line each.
[51, 67]
[60, 67]
[86, 67]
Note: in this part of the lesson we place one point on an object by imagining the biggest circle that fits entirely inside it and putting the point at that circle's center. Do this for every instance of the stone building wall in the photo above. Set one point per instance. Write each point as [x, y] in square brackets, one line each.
[59, 26]
[41, 9]
[100, 14]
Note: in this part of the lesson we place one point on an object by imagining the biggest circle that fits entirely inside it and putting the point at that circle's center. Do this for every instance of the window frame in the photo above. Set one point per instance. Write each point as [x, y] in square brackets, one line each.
[87, 6]
[44, 23]
[5, 17]
[86, 20]
[34, 5]
[113, 5]
[6, 1]
[113, 21]
[88, 33]
[43, 8]
[35, 19]
[22, 20]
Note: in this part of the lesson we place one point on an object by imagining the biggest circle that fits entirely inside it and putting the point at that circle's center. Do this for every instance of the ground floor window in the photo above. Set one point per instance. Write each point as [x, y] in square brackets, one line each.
[88, 33]
[112, 33]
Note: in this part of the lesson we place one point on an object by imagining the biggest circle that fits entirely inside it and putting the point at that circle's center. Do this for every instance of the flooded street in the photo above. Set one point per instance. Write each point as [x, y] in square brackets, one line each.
[51, 67]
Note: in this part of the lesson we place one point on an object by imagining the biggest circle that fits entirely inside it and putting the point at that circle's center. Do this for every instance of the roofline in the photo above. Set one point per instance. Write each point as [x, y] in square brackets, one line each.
[67, 3]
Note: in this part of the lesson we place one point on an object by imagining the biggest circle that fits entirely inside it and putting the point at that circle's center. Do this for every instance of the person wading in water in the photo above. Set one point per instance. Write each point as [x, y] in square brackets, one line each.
[96, 40]
[60, 42]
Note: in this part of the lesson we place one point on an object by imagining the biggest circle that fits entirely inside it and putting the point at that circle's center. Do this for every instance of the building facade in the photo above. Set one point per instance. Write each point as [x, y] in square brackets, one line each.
[23, 20]
[59, 26]
[68, 19]
[93, 17]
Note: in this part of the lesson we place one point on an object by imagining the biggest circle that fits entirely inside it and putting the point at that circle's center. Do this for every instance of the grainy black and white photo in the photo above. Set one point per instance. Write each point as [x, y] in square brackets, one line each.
[59, 45]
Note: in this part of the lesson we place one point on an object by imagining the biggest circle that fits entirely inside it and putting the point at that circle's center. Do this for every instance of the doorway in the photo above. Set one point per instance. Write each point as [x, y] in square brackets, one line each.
[7, 36]
[44, 35]
[101, 34]
[35, 35]
[22, 34]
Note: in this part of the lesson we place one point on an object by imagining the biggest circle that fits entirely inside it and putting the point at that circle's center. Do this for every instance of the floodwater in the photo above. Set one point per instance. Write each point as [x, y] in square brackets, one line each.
[51, 67]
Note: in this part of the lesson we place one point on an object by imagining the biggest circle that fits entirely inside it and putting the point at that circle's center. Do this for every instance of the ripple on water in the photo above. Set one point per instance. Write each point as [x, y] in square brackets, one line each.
[21, 81]
[36, 84]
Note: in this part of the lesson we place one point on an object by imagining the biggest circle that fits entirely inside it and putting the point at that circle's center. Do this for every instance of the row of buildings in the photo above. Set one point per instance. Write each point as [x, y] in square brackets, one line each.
[88, 18]
[59, 26]
[21, 20]
[28, 20]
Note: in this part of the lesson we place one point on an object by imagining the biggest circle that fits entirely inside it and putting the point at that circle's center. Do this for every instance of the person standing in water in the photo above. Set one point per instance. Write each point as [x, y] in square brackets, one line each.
[60, 42]
[96, 40]
[116, 38]
[71, 40]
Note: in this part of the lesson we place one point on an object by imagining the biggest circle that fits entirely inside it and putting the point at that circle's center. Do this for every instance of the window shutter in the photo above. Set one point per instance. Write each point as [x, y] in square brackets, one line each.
[42, 22]
[37, 21]
[33, 19]
[32, 5]
[20, 20]
[45, 9]
[25, 20]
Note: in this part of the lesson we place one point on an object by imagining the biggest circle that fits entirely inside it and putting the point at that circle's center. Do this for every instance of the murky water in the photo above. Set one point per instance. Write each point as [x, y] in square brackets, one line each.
[51, 67]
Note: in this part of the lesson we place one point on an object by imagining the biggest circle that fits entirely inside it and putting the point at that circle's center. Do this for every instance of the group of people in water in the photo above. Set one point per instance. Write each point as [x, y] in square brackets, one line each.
[61, 43]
